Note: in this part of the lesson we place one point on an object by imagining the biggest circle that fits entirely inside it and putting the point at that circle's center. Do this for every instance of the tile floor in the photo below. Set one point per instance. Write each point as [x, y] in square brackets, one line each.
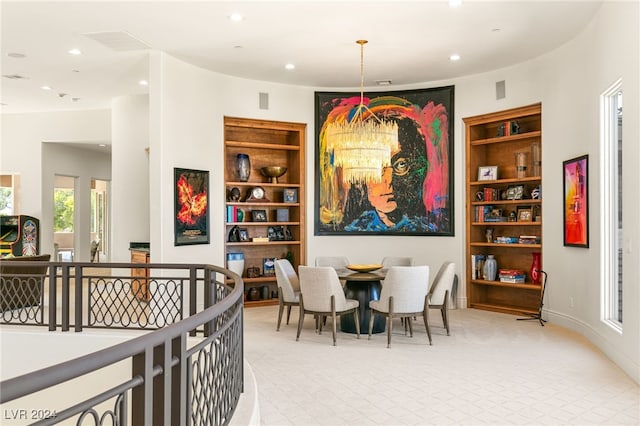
[492, 370]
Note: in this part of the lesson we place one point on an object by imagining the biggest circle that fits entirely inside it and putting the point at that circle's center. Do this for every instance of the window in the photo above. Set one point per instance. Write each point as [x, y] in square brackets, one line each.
[9, 194]
[611, 226]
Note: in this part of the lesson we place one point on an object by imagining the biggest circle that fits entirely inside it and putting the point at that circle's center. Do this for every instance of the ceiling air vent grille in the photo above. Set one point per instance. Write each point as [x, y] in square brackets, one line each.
[14, 76]
[118, 40]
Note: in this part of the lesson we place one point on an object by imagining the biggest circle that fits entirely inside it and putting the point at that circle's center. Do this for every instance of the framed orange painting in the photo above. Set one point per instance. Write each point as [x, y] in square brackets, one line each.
[576, 207]
[191, 215]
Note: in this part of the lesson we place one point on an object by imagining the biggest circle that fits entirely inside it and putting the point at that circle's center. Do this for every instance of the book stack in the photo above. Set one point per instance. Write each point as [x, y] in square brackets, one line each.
[234, 214]
[506, 240]
[481, 212]
[511, 275]
[528, 239]
[490, 194]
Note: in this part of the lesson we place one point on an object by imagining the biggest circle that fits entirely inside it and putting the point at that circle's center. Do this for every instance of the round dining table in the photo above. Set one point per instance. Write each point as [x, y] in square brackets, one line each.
[363, 287]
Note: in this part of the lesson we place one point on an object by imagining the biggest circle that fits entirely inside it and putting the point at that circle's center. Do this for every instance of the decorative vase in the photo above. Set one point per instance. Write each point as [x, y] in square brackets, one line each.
[253, 294]
[490, 268]
[235, 262]
[244, 167]
[535, 268]
[264, 292]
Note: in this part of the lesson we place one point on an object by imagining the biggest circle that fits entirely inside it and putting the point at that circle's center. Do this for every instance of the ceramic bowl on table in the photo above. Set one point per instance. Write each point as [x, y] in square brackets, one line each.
[364, 268]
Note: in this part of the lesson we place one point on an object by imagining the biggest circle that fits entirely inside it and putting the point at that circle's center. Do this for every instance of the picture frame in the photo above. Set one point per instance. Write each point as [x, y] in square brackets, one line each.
[268, 266]
[576, 201]
[515, 192]
[259, 215]
[423, 199]
[487, 173]
[524, 214]
[191, 206]
[243, 234]
[290, 195]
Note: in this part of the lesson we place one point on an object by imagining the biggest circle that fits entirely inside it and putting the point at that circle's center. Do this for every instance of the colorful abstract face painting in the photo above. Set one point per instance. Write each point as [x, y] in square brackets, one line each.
[415, 193]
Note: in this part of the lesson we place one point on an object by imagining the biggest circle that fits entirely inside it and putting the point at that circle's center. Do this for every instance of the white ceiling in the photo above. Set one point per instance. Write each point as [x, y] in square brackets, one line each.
[409, 42]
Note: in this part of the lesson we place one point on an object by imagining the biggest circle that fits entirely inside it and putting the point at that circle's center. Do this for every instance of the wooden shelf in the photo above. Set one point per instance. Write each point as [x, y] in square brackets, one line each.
[267, 143]
[265, 243]
[532, 179]
[507, 309]
[506, 223]
[507, 202]
[256, 303]
[486, 146]
[506, 139]
[523, 246]
[523, 286]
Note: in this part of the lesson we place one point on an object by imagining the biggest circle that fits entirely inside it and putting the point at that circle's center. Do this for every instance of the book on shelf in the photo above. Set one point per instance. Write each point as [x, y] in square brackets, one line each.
[529, 239]
[477, 264]
[513, 280]
[490, 194]
[511, 275]
[506, 240]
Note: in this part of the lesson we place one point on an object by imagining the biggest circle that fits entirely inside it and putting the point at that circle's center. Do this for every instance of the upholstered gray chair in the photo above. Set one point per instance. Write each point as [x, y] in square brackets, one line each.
[389, 261]
[322, 295]
[288, 288]
[336, 262]
[404, 295]
[441, 289]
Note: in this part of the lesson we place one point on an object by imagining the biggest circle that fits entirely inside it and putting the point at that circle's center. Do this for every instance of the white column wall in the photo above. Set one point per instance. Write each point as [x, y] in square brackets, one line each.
[130, 182]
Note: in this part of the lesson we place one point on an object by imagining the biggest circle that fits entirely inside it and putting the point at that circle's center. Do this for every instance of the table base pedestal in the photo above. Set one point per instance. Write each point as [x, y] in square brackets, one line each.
[363, 292]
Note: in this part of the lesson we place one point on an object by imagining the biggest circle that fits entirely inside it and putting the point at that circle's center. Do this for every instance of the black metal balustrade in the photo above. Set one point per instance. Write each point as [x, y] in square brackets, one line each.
[175, 379]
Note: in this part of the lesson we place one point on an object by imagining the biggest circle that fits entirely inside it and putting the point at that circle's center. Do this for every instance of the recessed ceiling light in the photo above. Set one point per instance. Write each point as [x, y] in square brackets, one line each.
[75, 52]
[454, 57]
[236, 17]
[455, 3]
[16, 55]
[290, 66]
[45, 87]
[143, 83]
[102, 145]
[383, 82]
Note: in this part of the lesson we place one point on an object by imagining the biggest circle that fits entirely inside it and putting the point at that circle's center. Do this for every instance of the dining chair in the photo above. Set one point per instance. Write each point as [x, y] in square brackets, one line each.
[288, 288]
[322, 295]
[389, 261]
[441, 289]
[404, 295]
[337, 262]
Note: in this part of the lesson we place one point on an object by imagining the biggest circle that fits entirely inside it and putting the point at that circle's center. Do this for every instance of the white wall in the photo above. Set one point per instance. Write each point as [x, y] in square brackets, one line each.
[130, 183]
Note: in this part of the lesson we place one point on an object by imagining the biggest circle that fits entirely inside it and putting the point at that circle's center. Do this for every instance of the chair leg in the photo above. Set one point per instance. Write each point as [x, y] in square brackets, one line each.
[288, 313]
[280, 310]
[425, 315]
[371, 318]
[301, 319]
[356, 317]
[408, 320]
[445, 317]
[333, 318]
[390, 322]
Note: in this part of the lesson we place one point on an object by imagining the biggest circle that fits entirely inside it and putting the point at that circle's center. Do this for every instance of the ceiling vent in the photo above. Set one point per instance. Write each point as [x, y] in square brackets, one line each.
[121, 41]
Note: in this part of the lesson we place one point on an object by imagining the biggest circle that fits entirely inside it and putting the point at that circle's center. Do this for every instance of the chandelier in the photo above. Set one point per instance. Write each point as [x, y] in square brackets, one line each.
[362, 146]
